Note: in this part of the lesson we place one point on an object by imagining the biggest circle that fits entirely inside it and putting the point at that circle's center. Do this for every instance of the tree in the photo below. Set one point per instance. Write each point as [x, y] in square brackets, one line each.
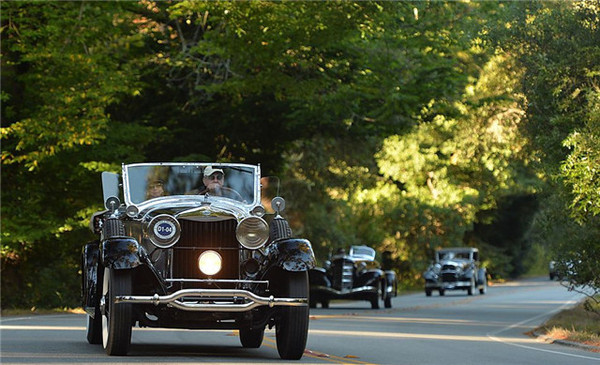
[64, 65]
[560, 83]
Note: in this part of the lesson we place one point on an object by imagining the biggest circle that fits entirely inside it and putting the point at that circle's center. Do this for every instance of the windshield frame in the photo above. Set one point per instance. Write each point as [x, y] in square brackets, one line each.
[253, 169]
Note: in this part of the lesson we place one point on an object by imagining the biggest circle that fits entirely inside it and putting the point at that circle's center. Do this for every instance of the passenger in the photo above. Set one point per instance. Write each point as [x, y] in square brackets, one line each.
[155, 189]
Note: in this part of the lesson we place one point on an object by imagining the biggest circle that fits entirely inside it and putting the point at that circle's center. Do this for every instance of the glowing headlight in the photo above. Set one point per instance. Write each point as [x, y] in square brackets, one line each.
[252, 232]
[210, 262]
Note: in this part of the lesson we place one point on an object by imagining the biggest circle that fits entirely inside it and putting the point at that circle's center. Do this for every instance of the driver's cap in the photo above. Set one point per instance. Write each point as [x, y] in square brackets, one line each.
[209, 171]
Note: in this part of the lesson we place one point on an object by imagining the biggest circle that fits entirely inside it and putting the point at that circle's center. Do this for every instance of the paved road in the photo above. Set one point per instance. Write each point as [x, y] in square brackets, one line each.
[454, 329]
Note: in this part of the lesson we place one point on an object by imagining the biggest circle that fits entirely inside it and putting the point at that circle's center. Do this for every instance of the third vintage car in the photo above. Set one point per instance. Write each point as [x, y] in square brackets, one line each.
[189, 245]
[456, 269]
[355, 275]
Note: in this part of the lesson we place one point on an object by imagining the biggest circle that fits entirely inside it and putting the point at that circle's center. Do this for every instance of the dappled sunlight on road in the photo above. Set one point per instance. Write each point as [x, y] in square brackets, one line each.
[435, 321]
[41, 328]
[545, 302]
[387, 319]
[82, 328]
[524, 283]
[422, 336]
[529, 305]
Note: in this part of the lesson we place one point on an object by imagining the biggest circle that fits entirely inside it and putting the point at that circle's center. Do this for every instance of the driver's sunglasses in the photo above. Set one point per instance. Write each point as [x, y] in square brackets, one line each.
[217, 175]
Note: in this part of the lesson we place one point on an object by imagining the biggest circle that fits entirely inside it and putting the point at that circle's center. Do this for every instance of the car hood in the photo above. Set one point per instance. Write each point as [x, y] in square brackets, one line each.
[453, 264]
[205, 209]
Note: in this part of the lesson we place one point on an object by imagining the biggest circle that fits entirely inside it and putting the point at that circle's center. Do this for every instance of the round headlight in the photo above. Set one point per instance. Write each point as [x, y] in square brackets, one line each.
[252, 232]
[210, 262]
[164, 231]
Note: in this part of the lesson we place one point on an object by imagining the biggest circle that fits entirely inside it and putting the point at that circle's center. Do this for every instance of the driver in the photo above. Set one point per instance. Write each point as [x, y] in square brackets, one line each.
[213, 180]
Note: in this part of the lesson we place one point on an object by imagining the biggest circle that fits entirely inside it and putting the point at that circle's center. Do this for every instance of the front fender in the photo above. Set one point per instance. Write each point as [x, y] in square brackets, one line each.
[481, 276]
[121, 253]
[390, 282]
[469, 274]
[318, 277]
[369, 278]
[291, 254]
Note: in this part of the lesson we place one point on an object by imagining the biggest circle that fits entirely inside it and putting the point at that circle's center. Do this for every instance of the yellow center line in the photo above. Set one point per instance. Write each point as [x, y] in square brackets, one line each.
[327, 357]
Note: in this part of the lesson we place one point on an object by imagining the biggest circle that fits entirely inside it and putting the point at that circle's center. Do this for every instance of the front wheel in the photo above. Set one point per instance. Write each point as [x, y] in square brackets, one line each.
[388, 301]
[483, 288]
[252, 338]
[93, 328]
[471, 287]
[387, 297]
[375, 301]
[291, 329]
[116, 318]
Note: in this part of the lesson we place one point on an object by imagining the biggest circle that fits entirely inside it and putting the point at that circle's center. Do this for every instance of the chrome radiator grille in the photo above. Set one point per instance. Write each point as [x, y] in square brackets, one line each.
[343, 271]
[449, 277]
[197, 237]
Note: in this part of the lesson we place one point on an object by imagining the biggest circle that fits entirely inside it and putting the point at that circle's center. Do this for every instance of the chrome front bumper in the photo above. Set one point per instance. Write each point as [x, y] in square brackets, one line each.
[345, 292]
[206, 300]
[455, 285]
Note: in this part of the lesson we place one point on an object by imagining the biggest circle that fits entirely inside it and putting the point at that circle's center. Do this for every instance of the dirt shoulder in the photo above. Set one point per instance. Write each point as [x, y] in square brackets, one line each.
[578, 326]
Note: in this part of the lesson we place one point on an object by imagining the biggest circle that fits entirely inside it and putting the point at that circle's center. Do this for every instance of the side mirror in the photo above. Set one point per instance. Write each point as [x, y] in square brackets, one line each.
[110, 190]
[269, 193]
[278, 204]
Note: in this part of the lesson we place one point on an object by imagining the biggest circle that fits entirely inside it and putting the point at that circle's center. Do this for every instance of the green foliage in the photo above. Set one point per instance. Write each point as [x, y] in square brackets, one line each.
[581, 169]
[64, 76]
[63, 66]
[449, 170]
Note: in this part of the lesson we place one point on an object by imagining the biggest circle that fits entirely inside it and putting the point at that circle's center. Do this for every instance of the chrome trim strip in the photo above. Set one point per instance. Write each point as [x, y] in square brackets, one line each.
[217, 281]
[172, 300]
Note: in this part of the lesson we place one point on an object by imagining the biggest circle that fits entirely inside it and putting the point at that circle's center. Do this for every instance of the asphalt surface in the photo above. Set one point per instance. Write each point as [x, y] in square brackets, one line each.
[455, 329]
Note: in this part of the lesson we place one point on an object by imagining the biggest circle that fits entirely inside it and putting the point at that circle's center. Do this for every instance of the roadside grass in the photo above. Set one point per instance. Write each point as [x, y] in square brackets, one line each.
[575, 324]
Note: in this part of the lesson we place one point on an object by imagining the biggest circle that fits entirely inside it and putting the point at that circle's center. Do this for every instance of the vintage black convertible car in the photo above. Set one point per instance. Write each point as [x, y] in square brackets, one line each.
[356, 276]
[456, 269]
[189, 245]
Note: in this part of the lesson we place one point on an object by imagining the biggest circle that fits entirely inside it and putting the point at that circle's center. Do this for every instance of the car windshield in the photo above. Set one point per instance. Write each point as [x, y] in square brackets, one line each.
[144, 182]
[362, 252]
[454, 255]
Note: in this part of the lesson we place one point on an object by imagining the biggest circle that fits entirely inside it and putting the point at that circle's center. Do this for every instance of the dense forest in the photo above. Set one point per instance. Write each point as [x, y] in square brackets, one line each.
[406, 126]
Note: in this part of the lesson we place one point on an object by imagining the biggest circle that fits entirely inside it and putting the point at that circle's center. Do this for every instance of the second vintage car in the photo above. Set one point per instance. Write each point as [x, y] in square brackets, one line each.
[188, 245]
[355, 275]
[456, 269]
